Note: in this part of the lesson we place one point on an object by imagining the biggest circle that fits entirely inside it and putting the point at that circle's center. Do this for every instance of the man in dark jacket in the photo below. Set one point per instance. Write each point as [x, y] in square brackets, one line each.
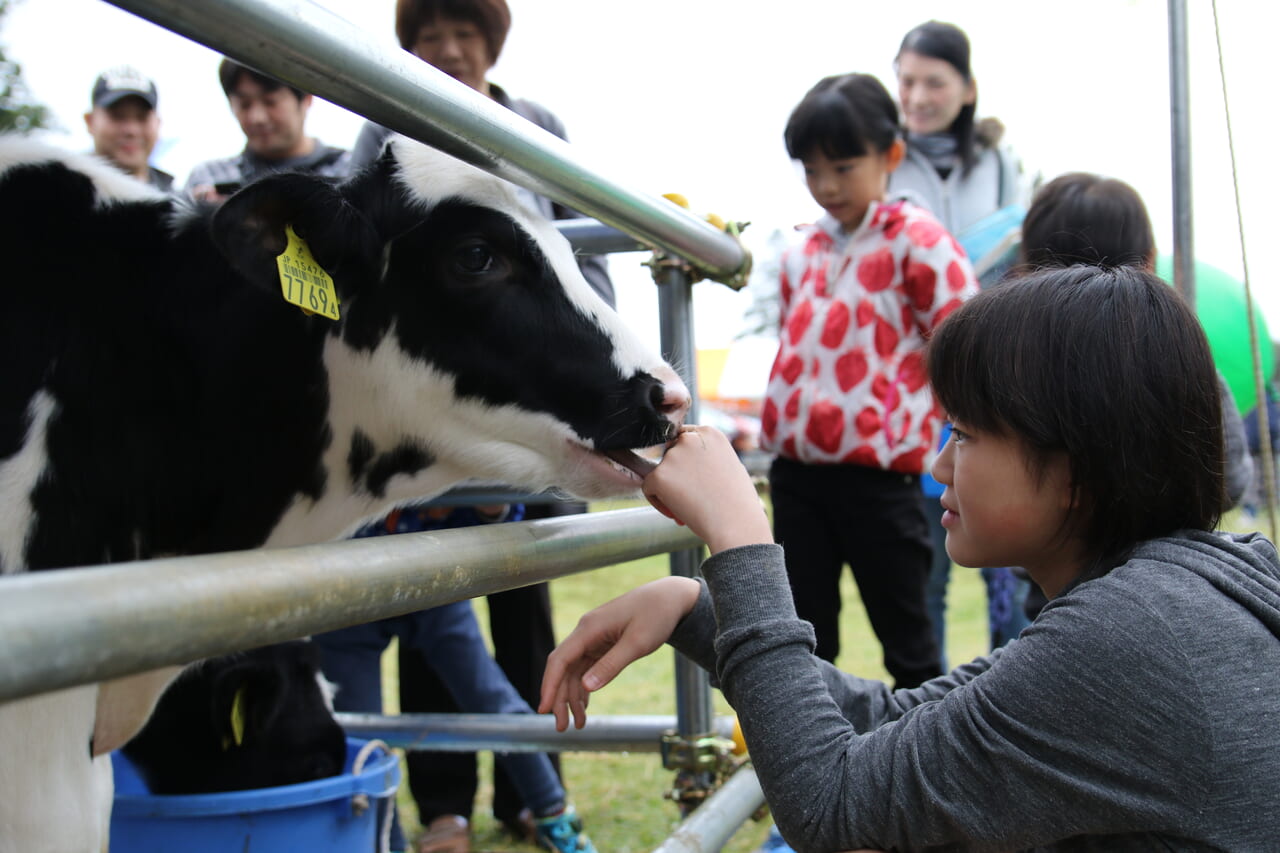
[124, 124]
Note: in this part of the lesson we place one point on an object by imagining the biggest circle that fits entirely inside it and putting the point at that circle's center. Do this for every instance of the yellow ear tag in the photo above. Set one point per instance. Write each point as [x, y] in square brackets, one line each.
[303, 281]
[237, 720]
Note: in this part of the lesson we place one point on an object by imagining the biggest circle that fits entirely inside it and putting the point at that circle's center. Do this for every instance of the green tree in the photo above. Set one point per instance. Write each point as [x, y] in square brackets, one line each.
[17, 111]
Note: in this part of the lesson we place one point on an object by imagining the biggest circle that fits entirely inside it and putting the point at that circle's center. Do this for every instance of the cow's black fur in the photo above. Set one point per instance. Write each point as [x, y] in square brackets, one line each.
[252, 720]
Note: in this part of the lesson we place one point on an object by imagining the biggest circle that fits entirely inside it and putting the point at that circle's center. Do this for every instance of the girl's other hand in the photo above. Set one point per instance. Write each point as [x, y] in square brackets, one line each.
[702, 484]
[609, 638]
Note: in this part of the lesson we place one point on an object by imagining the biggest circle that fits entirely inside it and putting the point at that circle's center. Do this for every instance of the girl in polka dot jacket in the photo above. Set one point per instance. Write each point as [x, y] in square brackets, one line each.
[849, 411]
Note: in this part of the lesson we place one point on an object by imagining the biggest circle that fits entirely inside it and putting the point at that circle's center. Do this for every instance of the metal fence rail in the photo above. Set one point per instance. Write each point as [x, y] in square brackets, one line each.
[518, 732]
[322, 53]
[76, 626]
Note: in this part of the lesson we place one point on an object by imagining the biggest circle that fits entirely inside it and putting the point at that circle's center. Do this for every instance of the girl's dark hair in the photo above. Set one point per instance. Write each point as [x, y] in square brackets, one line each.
[1108, 367]
[493, 17]
[847, 115]
[1079, 218]
[949, 43]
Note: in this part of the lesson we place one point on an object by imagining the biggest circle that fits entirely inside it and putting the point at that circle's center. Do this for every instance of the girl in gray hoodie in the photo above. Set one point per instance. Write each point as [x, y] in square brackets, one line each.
[1139, 710]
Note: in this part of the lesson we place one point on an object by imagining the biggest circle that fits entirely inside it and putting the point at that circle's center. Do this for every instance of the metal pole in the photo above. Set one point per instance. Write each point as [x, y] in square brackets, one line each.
[65, 627]
[596, 238]
[1184, 273]
[322, 53]
[718, 818]
[675, 310]
[517, 732]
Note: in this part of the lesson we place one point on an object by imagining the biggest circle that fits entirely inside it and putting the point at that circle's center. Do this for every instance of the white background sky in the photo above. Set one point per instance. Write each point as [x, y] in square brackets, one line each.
[692, 95]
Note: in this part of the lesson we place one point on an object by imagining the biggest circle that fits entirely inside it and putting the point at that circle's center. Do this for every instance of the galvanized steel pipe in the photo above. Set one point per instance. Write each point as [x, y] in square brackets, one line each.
[65, 627]
[1184, 258]
[320, 52]
[714, 822]
[518, 732]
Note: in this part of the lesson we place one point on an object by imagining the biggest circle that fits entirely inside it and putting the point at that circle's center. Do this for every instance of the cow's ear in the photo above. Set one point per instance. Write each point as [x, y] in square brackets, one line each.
[246, 700]
[229, 706]
[250, 230]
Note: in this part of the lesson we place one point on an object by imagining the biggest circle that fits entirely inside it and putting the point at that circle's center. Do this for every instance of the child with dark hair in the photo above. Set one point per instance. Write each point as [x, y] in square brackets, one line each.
[1084, 218]
[1136, 713]
[848, 410]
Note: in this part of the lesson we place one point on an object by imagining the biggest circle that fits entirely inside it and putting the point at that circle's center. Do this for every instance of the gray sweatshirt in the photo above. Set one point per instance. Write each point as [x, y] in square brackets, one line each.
[1140, 711]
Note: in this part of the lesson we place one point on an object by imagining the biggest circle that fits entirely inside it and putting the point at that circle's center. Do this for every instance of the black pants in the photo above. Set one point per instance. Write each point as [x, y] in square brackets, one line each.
[523, 636]
[828, 515]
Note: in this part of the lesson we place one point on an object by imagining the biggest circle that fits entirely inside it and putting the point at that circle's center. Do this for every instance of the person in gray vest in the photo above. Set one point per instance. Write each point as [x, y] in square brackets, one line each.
[273, 117]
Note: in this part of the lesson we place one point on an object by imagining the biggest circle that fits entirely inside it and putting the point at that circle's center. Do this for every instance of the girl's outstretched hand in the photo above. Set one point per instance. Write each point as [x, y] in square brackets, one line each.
[702, 484]
[609, 638]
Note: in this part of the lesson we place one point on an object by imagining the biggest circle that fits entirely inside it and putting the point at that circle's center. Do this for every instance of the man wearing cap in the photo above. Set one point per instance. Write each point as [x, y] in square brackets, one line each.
[272, 116]
[124, 124]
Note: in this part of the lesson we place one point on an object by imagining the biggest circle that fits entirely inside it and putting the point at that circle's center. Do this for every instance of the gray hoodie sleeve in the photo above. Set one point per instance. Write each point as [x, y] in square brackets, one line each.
[1016, 750]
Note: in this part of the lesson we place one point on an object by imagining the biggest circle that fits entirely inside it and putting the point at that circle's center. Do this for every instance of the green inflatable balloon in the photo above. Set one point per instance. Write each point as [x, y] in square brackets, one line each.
[1221, 307]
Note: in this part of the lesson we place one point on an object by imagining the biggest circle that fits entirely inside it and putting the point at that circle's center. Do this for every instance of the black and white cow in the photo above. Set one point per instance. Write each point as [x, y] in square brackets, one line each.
[255, 719]
[160, 397]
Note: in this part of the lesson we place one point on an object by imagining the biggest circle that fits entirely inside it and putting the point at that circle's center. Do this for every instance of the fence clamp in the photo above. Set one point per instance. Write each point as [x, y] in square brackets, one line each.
[702, 764]
[735, 281]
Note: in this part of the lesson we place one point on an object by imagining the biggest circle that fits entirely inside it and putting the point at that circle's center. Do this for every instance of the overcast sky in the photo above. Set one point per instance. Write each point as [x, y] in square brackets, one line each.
[691, 96]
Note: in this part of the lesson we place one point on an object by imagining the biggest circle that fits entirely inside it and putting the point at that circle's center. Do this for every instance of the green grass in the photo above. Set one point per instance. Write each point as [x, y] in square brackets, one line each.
[620, 796]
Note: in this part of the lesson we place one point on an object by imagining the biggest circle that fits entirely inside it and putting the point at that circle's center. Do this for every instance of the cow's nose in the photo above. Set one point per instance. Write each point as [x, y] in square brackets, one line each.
[671, 399]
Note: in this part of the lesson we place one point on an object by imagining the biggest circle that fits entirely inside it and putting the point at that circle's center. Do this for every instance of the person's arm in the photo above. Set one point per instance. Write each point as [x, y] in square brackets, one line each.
[213, 180]
[1067, 732]
[609, 638]
[937, 276]
[1238, 462]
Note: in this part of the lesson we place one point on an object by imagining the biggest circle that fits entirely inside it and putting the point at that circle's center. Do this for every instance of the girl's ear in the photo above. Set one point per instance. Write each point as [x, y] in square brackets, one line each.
[893, 156]
[971, 93]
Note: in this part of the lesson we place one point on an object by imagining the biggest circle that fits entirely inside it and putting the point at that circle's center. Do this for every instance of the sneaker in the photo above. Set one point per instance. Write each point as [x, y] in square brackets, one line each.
[774, 843]
[562, 833]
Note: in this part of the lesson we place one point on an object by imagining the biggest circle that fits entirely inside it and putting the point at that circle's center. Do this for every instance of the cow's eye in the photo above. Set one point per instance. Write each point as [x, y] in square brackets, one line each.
[473, 257]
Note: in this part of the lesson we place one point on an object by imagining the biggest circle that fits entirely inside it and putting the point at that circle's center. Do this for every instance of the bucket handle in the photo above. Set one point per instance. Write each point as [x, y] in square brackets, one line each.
[360, 802]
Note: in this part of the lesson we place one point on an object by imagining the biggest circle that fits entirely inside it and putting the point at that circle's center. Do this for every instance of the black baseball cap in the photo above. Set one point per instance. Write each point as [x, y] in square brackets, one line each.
[123, 81]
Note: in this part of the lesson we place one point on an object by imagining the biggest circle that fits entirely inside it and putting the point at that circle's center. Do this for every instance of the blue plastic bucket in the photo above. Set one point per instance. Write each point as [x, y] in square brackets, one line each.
[318, 817]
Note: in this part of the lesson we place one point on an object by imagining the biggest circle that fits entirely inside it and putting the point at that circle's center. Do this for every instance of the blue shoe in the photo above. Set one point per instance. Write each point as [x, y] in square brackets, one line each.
[562, 833]
[774, 843]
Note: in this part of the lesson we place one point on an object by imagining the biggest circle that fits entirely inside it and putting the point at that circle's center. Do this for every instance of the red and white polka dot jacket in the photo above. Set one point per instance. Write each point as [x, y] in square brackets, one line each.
[848, 384]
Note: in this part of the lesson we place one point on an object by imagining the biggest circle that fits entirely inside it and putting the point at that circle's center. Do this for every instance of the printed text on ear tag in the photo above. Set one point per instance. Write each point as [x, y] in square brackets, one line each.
[303, 281]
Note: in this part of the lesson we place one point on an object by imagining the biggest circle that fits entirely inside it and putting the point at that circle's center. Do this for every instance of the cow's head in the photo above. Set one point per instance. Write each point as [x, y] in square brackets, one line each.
[469, 338]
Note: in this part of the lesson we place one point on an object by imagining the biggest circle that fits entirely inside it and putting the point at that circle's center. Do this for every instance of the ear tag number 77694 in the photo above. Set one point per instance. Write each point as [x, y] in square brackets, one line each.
[303, 281]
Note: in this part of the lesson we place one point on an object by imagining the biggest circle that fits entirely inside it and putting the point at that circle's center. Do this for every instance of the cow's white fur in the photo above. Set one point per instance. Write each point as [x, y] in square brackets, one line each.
[112, 185]
[18, 477]
[432, 176]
